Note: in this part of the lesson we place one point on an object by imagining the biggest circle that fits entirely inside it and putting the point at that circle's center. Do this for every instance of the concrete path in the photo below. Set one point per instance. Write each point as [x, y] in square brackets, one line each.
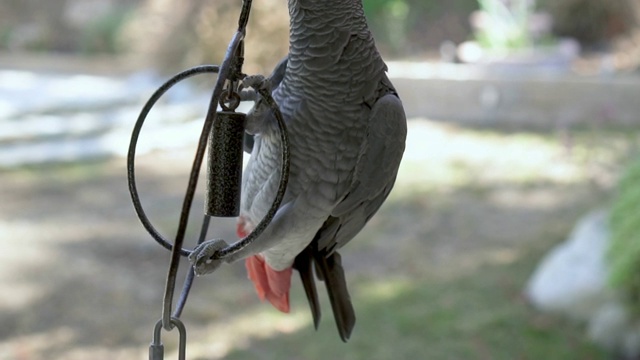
[53, 117]
[48, 117]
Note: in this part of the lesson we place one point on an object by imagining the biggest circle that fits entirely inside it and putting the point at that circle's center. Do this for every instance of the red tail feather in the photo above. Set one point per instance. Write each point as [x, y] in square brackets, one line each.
[270, 284]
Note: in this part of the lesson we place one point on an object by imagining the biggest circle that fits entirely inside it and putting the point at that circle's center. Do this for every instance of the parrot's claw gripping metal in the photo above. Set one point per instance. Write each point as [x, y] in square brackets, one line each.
[206, 257]
[252, 85]
[257, 82]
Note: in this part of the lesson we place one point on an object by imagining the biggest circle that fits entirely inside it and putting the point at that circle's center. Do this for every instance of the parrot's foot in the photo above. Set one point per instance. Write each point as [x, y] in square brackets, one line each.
[204, 258]
[257, 82]
[270, 284]
[242, 227]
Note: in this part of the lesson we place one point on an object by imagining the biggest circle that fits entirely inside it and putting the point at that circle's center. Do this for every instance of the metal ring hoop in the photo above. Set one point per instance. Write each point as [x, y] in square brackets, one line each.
[133, 189]
[135, 197]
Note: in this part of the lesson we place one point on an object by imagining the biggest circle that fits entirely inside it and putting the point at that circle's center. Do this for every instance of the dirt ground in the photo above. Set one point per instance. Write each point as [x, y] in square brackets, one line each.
[80, 278]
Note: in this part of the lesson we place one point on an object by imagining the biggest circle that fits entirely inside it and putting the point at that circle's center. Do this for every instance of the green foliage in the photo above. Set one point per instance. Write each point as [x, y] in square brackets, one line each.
[507, 24]
[374, 7]
[391, 17]
[624, 250]
[404, 27]
[5, 36]
[101, 36]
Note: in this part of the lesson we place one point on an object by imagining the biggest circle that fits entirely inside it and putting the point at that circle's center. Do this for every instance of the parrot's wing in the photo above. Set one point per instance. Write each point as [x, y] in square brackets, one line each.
[374, 176]
[278, 73]
[373, 179]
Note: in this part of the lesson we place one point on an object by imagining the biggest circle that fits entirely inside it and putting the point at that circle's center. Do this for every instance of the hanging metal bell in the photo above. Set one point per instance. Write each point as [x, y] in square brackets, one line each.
[224, 165]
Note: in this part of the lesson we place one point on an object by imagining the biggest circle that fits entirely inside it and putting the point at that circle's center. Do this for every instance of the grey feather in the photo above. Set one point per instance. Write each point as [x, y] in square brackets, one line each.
[347, 130]
[304, 264]
[274, 81]
[278, 73]
[333, 275]
[372, 182]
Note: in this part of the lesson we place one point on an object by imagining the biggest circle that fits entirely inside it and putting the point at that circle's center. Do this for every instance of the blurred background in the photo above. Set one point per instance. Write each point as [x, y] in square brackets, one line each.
[511, 233]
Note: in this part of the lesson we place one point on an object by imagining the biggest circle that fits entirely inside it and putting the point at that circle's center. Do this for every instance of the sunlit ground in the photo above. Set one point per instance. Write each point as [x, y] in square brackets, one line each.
[437, 274]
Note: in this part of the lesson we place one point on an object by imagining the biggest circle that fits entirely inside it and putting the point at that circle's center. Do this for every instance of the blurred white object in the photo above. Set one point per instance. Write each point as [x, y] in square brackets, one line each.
[448, 51]
[572, 280]
[555, 56]
[490, 97]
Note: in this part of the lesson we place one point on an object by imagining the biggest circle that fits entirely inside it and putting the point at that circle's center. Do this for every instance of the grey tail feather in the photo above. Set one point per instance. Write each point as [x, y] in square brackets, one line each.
[331, 271]
[304, 264]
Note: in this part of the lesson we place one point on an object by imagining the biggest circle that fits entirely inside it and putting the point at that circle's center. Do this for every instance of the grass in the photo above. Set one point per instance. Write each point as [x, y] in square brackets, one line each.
[477, 315]
[437, 274]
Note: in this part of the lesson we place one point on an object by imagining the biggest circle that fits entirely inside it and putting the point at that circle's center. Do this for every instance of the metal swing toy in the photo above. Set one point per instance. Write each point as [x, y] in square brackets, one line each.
[223, 132]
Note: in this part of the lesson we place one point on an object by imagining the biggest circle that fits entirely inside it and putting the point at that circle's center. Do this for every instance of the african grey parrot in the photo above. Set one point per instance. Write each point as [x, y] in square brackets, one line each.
[347, 131]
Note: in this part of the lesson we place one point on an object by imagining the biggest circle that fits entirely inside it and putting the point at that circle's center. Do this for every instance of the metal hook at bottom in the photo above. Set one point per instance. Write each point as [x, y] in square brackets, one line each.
[156, 349]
